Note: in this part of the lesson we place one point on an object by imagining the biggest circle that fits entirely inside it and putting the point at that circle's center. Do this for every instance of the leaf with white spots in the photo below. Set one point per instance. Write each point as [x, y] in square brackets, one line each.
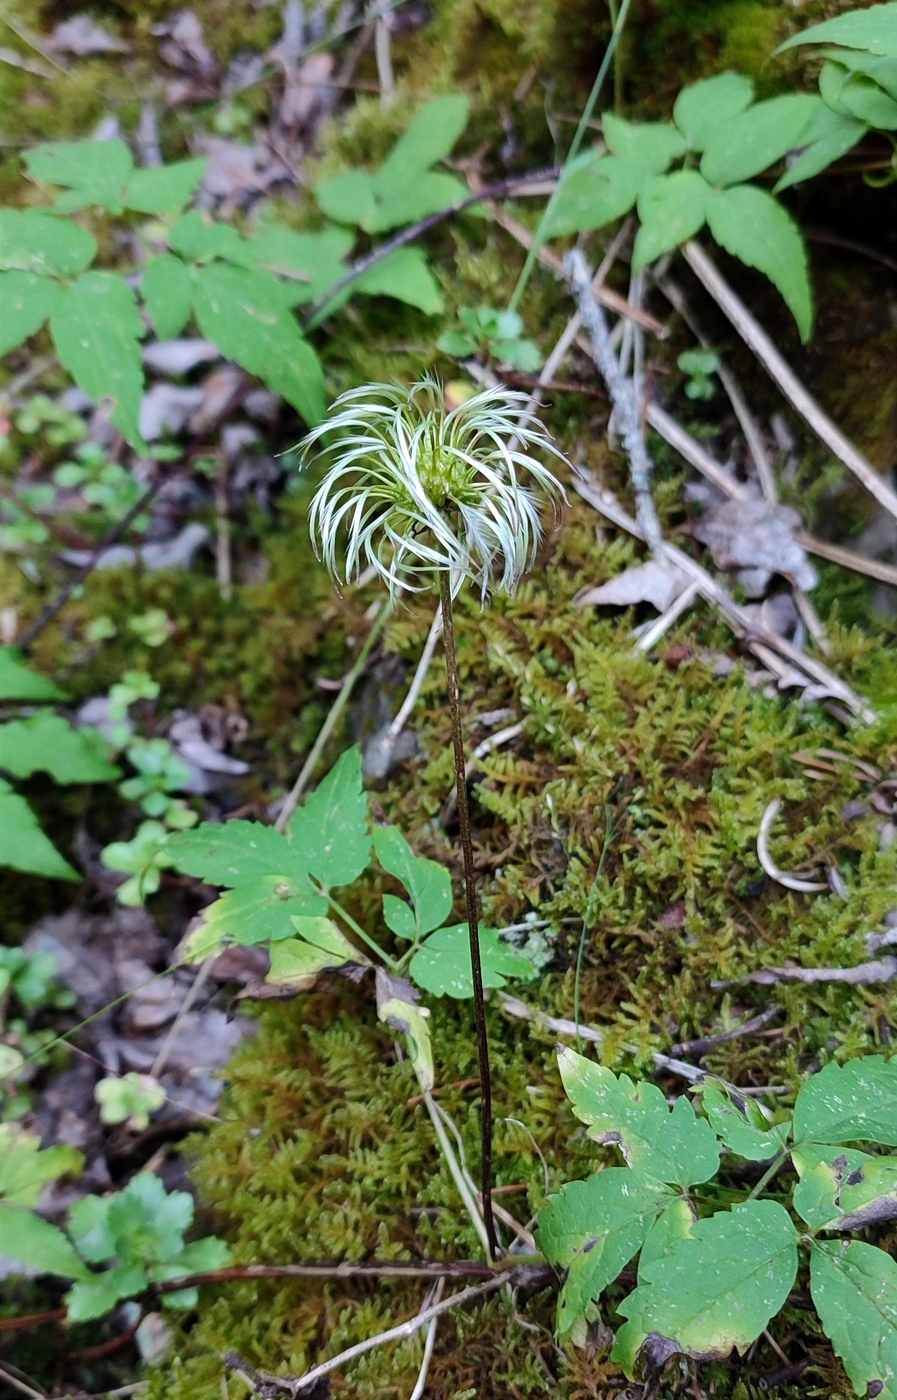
[856, 1102]
[442, 964]
[330, 832]
[854, 1288]
[841, 1188]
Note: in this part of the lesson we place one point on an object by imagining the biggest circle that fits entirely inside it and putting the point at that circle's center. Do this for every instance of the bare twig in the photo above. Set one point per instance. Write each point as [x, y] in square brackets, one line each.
[848, 558]
[774, 364]
[420, 1385]
[698, 1048]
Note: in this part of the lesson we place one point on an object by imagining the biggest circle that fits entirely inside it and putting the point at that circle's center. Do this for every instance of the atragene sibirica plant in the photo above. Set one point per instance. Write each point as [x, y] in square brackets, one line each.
[427, 495]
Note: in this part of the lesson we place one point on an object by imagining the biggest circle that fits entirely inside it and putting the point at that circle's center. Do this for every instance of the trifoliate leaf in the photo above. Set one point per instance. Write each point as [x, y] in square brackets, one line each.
[329, 834]
[19, 682]
[404, 276]
[593, 1229]
[702, 107]
[97, 329]
[757, 138]
[47, 743]
[28, 1239]
[873, 28]
[167, 290]
[740, 1123]
[755, 228]
[23, 846]
[671, 209]
[257, 910]
[593, 193]
[829, 136]
[397, 1007]
[164, 189]
[25, 1169]
[242, 310]
[854, 1289]
[428, 883]
[27, 300]
[843, 1188]
[650, 145]
[442, 964]
[33, 241]
[672, 1145]
[95, 172]
[856, 1102]
[716, 1290]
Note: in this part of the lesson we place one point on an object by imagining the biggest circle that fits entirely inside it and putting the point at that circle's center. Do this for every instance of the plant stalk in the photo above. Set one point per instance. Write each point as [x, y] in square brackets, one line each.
[473, 927]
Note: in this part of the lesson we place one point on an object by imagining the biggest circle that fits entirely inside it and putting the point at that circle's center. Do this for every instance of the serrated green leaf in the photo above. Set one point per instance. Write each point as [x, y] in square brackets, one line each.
[258, 910]
[97, 329]
[25, 1168]
[428, 883]
[595, 193]
[88, 1300]
[757, 138]
[347, 197]
[672, 210]
[95, 172]
[741, 1125]
[829, 136]
[242, 310]
[672, 1145]
[47, 743]
[414, 199]
[23, 846]
[234, 853]
[442, 964]
[650, 145]
[329, 834]
[165, 189]
[754, 228]
[856, 1102]
[310, 263]
[843, 1188]
[198, 238]
[28, 1239]
[33, 241]
[701, 107]
[397, 1007]
[873, 28]
[405, 276]
[27, 300]
[19, 682]
[854, 1288]
[715, 1291]
[167, 291]
[593, 1229]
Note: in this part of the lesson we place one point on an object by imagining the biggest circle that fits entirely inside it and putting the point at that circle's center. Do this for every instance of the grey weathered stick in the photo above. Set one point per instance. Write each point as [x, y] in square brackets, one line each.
[622, 393]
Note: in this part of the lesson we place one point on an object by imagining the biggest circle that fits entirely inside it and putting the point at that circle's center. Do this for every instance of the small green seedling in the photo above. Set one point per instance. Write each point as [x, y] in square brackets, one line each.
[699, 366]
[494, 336]
[129, 1099]
[153, 627]
[143, 858]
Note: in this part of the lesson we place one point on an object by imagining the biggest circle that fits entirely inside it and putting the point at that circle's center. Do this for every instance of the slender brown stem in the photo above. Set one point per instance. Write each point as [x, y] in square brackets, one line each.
[470, 890]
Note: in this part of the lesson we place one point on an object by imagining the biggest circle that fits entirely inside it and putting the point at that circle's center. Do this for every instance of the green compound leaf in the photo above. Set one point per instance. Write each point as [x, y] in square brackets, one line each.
[854, 1288]
[717, 1289]
[757, 138]
[166, 189]
[650, 145]
[594, 192]
[702, 107]
[844, 1189]
[25, 1169]
[32, 241]
[28, 1239]
[23, 846]
[18, 682]
[330, 832]
[404, 276]
[256, 911]
[242, 310]
[873, 29]
[27, 301]
[97, 329]
[428, 883]
[593, 1229]
[397, 1007]
[47, 743]
[856, 1102]
[672, 210]
[672, 1145]
[95, 172]
[740, 1124]
[167, 290]
[754, 227]
[442, 965]
[829, 136]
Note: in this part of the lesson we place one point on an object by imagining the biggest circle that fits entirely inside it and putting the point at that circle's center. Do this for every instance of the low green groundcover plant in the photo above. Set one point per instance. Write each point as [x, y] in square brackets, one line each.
[710, 1278]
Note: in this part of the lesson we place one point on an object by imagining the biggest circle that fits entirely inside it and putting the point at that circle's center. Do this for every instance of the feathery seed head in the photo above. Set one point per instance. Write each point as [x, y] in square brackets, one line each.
[414, 489]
